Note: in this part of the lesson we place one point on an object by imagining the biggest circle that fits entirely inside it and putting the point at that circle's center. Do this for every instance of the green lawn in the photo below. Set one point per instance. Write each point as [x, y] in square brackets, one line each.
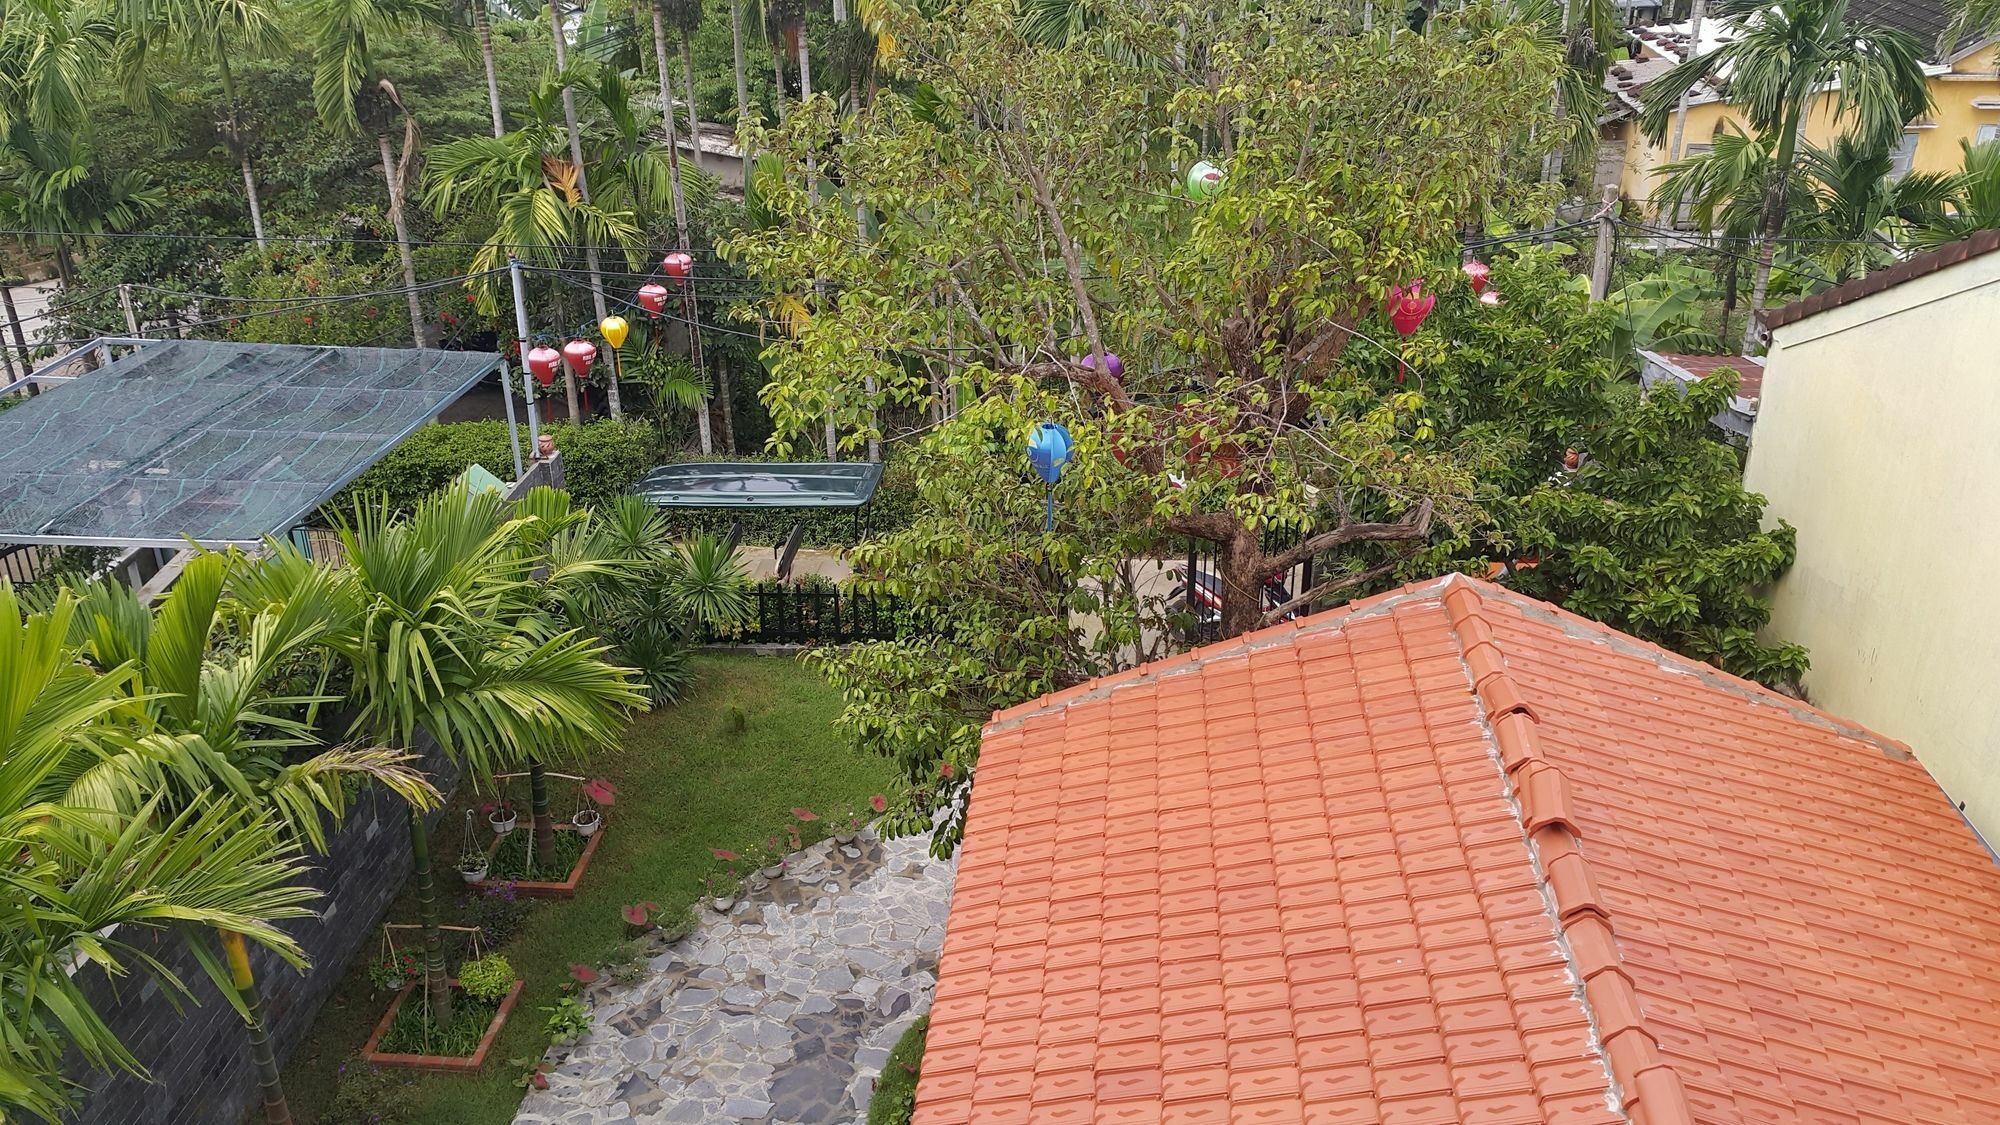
[686, 783]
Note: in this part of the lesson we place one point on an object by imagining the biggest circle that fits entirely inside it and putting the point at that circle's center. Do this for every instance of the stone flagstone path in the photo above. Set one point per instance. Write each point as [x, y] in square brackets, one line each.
[782, 1011]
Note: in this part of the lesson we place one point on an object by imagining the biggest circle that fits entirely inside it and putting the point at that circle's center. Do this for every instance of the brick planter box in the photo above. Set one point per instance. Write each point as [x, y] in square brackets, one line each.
[542, 888]
[448, 1064]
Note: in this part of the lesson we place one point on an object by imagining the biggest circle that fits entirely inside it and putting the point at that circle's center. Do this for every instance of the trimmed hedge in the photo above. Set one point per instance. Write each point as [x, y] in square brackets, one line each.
[601, 460]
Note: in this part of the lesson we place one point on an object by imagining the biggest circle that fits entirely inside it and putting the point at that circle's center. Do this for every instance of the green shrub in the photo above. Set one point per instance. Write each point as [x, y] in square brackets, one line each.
[600, 460]
[896, 1091]
[486, 979]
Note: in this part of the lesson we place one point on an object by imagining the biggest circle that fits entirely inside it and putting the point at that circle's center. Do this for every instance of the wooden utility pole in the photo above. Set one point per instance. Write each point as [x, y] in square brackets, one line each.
[7, 285]
[1600, 262]
[131, 314]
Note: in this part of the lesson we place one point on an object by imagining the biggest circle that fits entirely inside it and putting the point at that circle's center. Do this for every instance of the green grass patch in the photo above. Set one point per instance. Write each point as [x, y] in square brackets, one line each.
[687, 782]
[414, 1033]
[896, 1091]
[512, 861]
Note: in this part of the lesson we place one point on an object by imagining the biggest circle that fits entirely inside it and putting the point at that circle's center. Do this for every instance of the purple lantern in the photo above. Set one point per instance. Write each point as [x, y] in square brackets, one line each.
[1112, 364]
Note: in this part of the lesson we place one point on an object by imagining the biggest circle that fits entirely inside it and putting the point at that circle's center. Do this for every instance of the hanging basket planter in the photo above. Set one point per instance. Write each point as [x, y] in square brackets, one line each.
[587, 821]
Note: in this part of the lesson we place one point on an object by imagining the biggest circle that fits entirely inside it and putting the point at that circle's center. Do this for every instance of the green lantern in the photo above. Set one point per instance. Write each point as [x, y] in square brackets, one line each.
[1203, 180]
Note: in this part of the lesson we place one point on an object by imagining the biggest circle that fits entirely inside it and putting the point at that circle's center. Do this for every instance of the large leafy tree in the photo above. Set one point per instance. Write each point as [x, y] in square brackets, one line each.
[1020, 224]
[50, 183]
[85, 878]
[1782, 60]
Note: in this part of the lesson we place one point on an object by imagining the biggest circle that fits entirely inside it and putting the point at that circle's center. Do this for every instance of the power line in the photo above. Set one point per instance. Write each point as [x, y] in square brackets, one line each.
[304, 239]
[1696, 241]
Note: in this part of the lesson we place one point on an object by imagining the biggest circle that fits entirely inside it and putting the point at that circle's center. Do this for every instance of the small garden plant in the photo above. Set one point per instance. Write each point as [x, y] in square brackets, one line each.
[488, 979]
[896, 1090]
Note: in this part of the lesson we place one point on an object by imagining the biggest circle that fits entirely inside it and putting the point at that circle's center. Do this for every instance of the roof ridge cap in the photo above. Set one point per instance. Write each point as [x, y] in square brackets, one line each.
[1649, 1089]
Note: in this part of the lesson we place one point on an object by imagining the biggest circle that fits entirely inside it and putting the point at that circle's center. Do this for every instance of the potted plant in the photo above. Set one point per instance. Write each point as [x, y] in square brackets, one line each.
[775, 869]
[393, 970]
[720, 890]
[587, 821]
[500, 814]
[601, 795]
[473, 864]
[488, 979]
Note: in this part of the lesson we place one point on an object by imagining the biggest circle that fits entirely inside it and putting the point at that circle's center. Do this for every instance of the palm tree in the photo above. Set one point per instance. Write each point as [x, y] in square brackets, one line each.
[438, 619]
[49, 184]
[214, 726]
[352, 95]
[1976, 204]
[558, 39]
[737, 59]
[201, 26]
[686, 17]
[482, 29]
[85, 880]
[1779, 64]
[1855, 202]
[52, 53]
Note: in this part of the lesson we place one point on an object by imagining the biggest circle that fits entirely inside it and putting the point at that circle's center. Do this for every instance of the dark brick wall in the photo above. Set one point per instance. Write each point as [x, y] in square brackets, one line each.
[201, 1074]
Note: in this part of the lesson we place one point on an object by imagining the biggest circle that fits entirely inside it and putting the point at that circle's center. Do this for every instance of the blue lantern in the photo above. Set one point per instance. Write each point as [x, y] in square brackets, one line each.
[1048, 452]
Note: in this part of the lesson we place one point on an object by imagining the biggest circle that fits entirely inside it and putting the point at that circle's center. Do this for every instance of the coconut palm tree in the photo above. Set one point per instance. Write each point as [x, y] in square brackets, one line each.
[1857, 210]
[352, 95]
[212, 28]
[1782, 60]
[559, 40]
[52, 55]
[1976, 204]
[482, 29]
[213, 724]
[438, 619]
[737, 60]
[85, 880]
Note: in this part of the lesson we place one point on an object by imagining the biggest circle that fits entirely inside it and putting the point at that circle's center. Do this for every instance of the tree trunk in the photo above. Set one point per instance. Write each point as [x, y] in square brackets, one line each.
[482, 21]
[694, 112]
[437, 986]
[688, 307]
[1771, 224]
[1729, 272]
[1239, 565]
[778, 77]
[805, 63]
[538, 804]
[742, 77]
[262, 1057]
[722, 395]
[590, 263]
[236, 139]
[394, 185]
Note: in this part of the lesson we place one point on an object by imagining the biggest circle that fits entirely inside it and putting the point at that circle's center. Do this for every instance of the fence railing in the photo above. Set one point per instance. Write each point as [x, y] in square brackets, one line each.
[813, 615]
[21, 563]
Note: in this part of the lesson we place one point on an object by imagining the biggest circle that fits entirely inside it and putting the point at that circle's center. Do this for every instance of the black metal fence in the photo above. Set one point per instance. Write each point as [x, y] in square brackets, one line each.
[813, 614]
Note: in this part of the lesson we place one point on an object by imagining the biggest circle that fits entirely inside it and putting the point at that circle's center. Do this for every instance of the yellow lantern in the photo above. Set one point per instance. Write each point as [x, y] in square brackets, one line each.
[614, 330]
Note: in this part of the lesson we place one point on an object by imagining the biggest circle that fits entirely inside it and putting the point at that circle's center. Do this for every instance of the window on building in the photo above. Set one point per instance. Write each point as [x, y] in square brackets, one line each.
[1903, 155]
[1987, 133]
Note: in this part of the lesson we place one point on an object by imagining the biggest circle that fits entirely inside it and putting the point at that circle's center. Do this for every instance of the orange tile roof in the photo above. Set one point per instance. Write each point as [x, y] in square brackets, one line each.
[1454, 855]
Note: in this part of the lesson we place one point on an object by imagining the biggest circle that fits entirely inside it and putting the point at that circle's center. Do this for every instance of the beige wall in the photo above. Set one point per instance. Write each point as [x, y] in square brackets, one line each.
[1878, 437]
[1952, 117]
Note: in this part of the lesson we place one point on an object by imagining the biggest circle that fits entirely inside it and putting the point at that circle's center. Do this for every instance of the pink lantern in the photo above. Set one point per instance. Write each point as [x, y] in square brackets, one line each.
[653, 298]
[1478, 272]
[579, 354]
[1112, 364]
[542, 361]
[545, 446]
[1408, 307]
[678, 265]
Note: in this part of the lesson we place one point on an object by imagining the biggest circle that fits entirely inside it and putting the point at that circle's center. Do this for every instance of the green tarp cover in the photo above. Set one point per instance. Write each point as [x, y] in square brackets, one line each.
[738, 484]
[213, 441]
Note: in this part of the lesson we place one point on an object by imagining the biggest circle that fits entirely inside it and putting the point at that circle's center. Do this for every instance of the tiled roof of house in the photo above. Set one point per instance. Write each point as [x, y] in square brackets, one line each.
[1749, 370]
[1977, 244]
[1455, 855]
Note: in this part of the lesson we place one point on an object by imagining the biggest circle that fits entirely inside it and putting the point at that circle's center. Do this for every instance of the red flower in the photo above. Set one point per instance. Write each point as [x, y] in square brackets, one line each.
[309, 320]
[878, 802]
[582, 972]
[636, 913]
[724, 854]
[540, 1080]
[944, 769]
[371, 310]
[470, 299]
[805, 814]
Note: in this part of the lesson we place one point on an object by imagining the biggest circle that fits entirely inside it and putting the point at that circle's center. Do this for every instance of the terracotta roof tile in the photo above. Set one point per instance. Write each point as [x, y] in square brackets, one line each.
[1453, 855]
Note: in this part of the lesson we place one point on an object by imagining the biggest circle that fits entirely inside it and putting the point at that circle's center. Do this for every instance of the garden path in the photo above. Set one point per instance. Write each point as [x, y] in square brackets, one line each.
[781, 1011]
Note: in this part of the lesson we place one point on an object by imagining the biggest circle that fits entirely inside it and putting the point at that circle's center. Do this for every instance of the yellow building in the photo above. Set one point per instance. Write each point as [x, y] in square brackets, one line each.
[1878, 438]
[1964, 86]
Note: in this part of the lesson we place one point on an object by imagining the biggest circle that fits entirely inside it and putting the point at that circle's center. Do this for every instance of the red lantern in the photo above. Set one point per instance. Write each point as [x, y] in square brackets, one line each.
[542, 361]
[1478, 272]
[1408, 307]
[579, 354]
[653, 298]
[678, 265]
